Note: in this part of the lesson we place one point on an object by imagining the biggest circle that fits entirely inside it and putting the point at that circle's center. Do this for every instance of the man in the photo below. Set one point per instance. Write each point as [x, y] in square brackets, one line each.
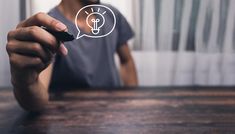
[37, 62]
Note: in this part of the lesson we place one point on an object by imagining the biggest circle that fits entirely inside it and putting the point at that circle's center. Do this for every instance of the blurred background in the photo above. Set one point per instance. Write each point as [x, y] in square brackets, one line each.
[177, 42]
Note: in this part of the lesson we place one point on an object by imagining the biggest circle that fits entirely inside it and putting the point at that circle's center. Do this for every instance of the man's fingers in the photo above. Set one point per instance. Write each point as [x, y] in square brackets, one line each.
[43, 19]
[29, 49]
[24, 62]
[63, 50]
[35, 34]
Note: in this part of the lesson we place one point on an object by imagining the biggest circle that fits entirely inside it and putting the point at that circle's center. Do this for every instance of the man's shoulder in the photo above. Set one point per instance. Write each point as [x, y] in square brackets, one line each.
[114, 9]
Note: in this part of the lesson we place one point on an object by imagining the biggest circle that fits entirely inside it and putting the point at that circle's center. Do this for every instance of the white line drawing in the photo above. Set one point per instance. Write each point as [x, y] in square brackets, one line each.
[95, 24]
[95, 29]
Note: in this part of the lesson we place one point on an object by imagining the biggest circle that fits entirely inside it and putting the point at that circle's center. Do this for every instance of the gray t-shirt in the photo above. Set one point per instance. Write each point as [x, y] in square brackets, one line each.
[90, 62]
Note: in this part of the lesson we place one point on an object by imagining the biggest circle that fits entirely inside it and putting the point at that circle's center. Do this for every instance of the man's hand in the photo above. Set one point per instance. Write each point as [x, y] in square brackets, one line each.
[31, 50]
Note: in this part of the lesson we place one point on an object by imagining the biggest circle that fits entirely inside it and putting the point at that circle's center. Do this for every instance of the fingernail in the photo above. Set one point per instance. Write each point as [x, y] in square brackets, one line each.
[61, 26]
[63, 50]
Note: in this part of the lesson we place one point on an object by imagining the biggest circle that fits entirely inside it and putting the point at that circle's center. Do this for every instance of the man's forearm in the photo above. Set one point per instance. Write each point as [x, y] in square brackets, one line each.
[32, 98]
[129, 74]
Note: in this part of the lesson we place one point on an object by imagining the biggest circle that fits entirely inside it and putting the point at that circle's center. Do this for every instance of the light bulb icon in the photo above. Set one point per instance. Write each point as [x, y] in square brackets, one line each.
[95, 21]
[100, 19]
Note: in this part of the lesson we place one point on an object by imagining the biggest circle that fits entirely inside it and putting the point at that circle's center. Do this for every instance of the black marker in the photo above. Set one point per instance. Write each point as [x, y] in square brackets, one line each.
[60, 36]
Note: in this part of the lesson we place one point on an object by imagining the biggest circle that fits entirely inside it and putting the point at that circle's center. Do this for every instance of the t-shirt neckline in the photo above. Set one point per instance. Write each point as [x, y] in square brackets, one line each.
[72, 24]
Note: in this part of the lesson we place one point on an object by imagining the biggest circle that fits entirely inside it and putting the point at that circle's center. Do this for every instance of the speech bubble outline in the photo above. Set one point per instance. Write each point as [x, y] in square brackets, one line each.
[90, 36]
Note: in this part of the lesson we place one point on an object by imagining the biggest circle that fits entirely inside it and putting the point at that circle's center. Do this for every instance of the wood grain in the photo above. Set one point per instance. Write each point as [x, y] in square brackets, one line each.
[189, 110]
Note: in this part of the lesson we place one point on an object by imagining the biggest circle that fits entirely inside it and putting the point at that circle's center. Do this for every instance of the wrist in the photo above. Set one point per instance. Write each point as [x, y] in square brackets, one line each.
[23, 81]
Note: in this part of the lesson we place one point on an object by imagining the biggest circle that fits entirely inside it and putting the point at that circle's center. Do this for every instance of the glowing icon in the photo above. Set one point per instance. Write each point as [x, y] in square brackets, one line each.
[97, 23]
[96, 18]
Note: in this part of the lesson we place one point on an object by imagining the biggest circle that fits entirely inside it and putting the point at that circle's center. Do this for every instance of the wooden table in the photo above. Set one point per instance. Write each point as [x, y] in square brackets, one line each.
[195, 110]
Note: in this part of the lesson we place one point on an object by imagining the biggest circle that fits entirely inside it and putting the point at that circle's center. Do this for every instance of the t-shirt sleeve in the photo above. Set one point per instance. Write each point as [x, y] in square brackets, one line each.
[124, 29]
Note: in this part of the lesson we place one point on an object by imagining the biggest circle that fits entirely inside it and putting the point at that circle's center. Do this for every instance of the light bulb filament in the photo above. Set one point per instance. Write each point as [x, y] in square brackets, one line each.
[95, 29]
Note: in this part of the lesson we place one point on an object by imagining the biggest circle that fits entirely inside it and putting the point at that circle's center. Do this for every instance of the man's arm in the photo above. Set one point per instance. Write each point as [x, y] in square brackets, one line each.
[31, 50]
[35, 97]
[127, 66]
